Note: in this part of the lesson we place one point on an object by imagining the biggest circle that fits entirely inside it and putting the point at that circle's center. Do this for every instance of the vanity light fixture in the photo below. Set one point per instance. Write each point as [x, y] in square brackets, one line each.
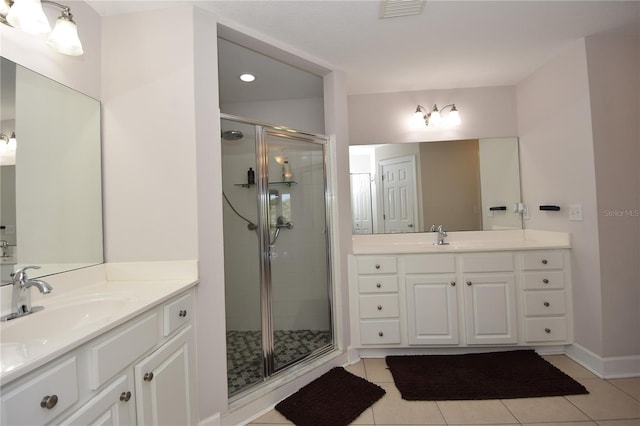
[28, 16]
[433, 118]
[10, 142]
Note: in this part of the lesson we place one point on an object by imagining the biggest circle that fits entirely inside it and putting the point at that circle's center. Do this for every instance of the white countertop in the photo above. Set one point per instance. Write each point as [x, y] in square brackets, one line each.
[124, 289]
[471, 241]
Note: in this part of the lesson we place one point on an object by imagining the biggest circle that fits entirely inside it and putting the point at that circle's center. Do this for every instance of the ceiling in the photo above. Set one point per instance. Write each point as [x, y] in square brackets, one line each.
[452, 44]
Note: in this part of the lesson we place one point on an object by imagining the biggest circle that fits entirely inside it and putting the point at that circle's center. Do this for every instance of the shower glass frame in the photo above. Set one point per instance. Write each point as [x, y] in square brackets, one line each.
[262, 132]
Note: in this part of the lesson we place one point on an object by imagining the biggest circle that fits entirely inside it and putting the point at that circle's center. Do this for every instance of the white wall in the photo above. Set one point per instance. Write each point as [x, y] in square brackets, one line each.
[149, 137]
[614, 72]
[485, 112]
[557, 167]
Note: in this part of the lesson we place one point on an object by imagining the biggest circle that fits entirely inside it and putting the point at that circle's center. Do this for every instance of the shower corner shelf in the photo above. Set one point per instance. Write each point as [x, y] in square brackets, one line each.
[249, 185]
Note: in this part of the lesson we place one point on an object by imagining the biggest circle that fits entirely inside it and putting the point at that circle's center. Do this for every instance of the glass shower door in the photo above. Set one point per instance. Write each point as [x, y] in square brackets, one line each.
[298, 250]
[245, 364]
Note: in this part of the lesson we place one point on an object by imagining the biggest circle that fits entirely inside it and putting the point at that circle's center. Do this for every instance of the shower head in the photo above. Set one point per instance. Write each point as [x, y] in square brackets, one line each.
[232, 135]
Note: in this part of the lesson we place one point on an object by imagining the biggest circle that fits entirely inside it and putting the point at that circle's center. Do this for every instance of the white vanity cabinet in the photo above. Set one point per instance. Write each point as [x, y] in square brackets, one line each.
[546, 301]
[489, 298]
[103, 380]
[164, 393]
[376, 291]
[431, 299]
[483, 298]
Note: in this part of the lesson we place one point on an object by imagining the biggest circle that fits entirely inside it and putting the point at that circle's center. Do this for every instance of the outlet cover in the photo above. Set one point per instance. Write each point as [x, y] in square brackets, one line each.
[575, 213]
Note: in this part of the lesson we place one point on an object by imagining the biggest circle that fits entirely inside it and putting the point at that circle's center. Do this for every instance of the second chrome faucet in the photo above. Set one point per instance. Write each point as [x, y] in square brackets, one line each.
[21, 293]
[441, 235]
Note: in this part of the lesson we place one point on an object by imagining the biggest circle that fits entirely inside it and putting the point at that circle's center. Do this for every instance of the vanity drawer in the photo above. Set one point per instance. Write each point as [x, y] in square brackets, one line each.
[379, 306]
[376, 264]
[542, 261]
[27, 404]
[544, 303]
[110, 356]
[544, 280]
[177, 313]
[383, 332]
[429, 264]
[545, 329]
[378, 284]
[498, 262]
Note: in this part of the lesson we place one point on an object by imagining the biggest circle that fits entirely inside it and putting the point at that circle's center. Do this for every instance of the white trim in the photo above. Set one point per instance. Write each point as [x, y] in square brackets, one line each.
[607, 367]
[211, 421]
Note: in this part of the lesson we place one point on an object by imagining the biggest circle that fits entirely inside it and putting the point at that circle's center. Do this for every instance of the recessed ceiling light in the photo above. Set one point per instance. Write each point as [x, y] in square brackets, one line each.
[247, 78]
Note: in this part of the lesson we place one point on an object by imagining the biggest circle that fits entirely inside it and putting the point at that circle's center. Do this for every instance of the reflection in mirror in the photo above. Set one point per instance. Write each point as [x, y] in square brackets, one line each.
[465, 185]
[51, 199]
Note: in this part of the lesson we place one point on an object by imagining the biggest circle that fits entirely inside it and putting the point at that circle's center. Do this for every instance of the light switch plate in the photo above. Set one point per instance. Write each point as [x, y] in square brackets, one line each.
[575, 213]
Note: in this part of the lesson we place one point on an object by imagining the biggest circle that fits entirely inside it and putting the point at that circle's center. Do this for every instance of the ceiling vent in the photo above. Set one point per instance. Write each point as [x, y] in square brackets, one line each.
[397, 8]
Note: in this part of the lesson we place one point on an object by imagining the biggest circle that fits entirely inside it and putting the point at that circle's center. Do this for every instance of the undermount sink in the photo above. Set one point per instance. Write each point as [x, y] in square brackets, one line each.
[61, 318]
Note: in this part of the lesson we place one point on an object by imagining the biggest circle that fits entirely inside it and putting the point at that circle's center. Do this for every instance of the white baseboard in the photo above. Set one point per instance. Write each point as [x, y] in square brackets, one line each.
[211, 421]
[607, 367]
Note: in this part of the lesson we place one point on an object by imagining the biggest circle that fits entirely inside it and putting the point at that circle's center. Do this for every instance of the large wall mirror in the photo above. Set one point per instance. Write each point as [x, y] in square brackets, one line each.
[51, 199]
[465, 185]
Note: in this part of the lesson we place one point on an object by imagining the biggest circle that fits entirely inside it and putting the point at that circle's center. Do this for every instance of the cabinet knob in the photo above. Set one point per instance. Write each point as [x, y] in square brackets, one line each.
[544, 261]
[380, 333]
[469, 283]
[547, 330]
[453, 283]
[545, 281]
[125, 396]
[49, 401]
[379, 307]
[546, 304]
[148, 377]
[377, 266]
[182, 313]
[378, 285]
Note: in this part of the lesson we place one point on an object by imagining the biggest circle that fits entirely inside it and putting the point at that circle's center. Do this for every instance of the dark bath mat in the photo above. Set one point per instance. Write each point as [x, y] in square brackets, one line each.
[333, 399]
[495, 375]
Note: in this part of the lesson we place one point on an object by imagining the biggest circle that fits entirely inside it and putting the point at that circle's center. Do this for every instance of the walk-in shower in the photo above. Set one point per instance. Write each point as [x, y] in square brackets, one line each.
[277, 250]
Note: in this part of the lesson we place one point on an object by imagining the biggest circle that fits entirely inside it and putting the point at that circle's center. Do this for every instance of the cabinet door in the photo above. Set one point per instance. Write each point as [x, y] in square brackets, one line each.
[165, 393]
[113, 406]
[432, 310]
[490, 309]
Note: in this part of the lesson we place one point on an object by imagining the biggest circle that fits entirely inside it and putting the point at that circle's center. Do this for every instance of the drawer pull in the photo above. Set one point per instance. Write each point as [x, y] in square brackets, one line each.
[469, 283]
[544, 261]
[545, 281]
[182, 313]
[453, 283]
[380, 333]
[546, 304]
[148, 377]
[49, 401]
[377, 266]
[378, 285]
[547, 330]
[125, 396]
[379, 307]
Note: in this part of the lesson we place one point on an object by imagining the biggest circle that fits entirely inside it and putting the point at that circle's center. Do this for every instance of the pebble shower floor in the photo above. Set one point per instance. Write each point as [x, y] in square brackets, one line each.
[244, 353]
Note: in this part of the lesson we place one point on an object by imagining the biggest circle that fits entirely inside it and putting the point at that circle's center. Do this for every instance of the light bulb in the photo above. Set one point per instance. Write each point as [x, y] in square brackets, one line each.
[454, 117]
[434, 118]
[64, 37]
[28, 16]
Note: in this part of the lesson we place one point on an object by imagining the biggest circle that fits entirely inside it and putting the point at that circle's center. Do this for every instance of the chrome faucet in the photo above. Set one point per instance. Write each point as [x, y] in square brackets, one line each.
[21, 295]
[441, 234]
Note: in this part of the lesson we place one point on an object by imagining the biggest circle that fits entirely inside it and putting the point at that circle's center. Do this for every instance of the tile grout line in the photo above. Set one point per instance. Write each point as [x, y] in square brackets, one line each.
[622, 390]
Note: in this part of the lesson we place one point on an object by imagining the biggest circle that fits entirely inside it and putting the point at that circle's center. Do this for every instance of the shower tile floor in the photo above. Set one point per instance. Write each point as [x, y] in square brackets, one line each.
[244, 353]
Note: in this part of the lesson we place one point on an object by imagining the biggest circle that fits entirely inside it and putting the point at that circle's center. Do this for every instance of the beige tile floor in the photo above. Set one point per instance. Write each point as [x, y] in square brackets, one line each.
[613, 402]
